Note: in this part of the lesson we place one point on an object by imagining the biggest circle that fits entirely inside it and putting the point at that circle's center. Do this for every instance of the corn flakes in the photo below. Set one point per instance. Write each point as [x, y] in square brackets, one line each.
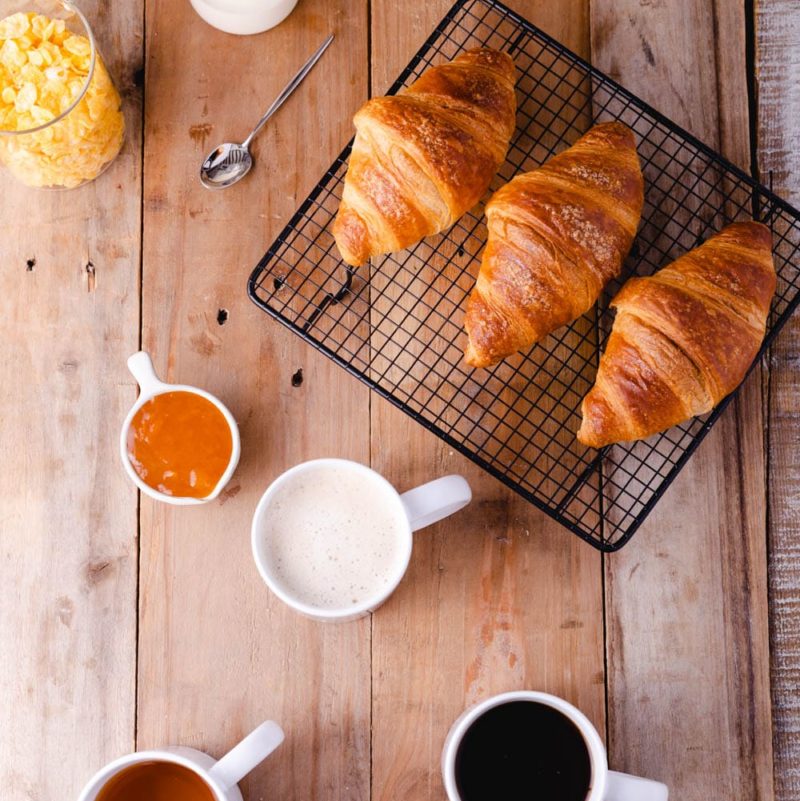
[43, 70]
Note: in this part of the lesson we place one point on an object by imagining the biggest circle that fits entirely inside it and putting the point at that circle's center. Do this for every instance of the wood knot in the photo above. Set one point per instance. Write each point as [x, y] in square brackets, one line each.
[97, 570]
[199, 133]
[65, 610]
[228, 493]
[91, 275]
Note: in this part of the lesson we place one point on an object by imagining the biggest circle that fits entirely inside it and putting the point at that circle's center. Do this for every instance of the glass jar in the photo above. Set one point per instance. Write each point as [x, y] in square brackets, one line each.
[61, 123]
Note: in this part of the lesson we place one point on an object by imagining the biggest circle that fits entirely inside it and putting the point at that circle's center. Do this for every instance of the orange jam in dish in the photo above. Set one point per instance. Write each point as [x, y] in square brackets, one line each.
[180, 444]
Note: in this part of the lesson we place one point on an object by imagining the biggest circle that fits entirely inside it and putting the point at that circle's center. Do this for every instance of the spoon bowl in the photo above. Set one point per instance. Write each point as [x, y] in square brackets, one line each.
[225, 165]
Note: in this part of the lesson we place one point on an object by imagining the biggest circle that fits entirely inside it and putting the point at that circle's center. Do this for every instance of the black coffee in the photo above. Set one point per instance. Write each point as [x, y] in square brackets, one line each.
[523, 751]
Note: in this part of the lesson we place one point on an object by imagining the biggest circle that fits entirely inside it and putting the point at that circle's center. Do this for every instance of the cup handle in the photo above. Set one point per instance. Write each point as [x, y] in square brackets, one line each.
[435, 500]
[623, 787]
[251, 751]
[141, 366]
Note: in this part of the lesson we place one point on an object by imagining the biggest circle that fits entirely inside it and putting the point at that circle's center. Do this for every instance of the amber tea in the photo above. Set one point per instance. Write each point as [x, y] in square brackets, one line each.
[155, 781]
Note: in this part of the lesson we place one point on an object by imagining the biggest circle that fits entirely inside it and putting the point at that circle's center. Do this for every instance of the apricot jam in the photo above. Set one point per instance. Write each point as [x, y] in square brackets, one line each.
[180, 444]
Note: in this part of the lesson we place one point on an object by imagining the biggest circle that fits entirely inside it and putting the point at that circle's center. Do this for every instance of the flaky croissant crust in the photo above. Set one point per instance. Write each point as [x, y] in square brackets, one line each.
[683, 338]
[424, 157]
[557, 235]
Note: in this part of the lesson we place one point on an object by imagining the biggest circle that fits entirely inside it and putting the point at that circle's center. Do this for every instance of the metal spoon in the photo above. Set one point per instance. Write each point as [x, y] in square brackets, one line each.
[229, 163]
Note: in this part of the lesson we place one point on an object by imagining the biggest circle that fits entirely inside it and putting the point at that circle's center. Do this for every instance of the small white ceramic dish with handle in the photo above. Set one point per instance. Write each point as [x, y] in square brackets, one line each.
[150, 385]
[220, 776]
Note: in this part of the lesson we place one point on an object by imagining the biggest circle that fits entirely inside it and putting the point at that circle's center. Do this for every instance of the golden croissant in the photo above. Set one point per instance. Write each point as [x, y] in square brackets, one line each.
[422, 158]
[683, 338]
[557, 235]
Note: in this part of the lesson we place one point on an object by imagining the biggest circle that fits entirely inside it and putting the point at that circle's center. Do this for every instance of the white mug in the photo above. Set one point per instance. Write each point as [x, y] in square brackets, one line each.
[150, 385]
[606, 785]
[416, 509]
[222, 777]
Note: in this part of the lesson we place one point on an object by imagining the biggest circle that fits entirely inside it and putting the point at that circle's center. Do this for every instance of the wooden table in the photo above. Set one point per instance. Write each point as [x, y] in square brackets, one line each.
[127, 624]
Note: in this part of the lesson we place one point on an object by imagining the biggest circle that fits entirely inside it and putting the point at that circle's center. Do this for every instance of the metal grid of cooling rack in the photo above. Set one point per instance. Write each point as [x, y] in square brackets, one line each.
[397, 325]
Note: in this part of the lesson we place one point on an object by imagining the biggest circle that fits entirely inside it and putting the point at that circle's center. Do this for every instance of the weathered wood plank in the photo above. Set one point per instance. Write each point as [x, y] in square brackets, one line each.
[68, 527]
[218, 653]
[496, 598]
[778, 74]
[687, 618]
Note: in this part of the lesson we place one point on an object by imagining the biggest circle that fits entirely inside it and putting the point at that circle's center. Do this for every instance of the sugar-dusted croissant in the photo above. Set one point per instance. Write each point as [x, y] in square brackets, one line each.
[683, 338]
[557, 235]
[424, 157]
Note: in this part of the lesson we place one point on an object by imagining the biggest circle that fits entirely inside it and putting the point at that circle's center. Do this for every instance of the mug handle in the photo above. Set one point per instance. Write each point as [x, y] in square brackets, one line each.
[251, 751]
[624, 787]
[435, 500]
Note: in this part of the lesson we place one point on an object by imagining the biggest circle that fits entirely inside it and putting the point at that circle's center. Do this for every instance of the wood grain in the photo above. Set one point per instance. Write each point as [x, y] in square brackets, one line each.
[778, 74]
[687, 619]
[68, 521]
[218, 652]
[496, 598]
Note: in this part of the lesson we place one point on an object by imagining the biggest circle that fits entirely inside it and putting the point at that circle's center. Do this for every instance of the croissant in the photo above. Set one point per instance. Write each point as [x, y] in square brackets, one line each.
[683, 338]
[557, 235]
[422, 158]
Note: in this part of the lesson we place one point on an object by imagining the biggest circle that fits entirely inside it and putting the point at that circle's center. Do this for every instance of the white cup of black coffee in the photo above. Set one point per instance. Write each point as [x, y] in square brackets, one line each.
[525, 746]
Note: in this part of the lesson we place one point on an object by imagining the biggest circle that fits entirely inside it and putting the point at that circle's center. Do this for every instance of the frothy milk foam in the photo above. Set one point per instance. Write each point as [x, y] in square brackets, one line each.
[333, 537]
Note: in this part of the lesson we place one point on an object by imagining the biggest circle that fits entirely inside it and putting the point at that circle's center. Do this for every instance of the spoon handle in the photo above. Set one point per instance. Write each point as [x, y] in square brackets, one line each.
[290, 87]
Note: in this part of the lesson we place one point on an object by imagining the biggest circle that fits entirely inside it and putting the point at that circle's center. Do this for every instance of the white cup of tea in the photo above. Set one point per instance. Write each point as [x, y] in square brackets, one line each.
[332, 538]
[537, 743]
[199, 776]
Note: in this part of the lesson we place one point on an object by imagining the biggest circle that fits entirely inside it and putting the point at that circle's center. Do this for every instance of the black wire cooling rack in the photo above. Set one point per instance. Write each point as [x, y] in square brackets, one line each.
[397, 326]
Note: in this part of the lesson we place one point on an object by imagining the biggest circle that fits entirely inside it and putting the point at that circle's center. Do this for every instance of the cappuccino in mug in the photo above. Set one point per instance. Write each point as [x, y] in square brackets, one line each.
[334, 536]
